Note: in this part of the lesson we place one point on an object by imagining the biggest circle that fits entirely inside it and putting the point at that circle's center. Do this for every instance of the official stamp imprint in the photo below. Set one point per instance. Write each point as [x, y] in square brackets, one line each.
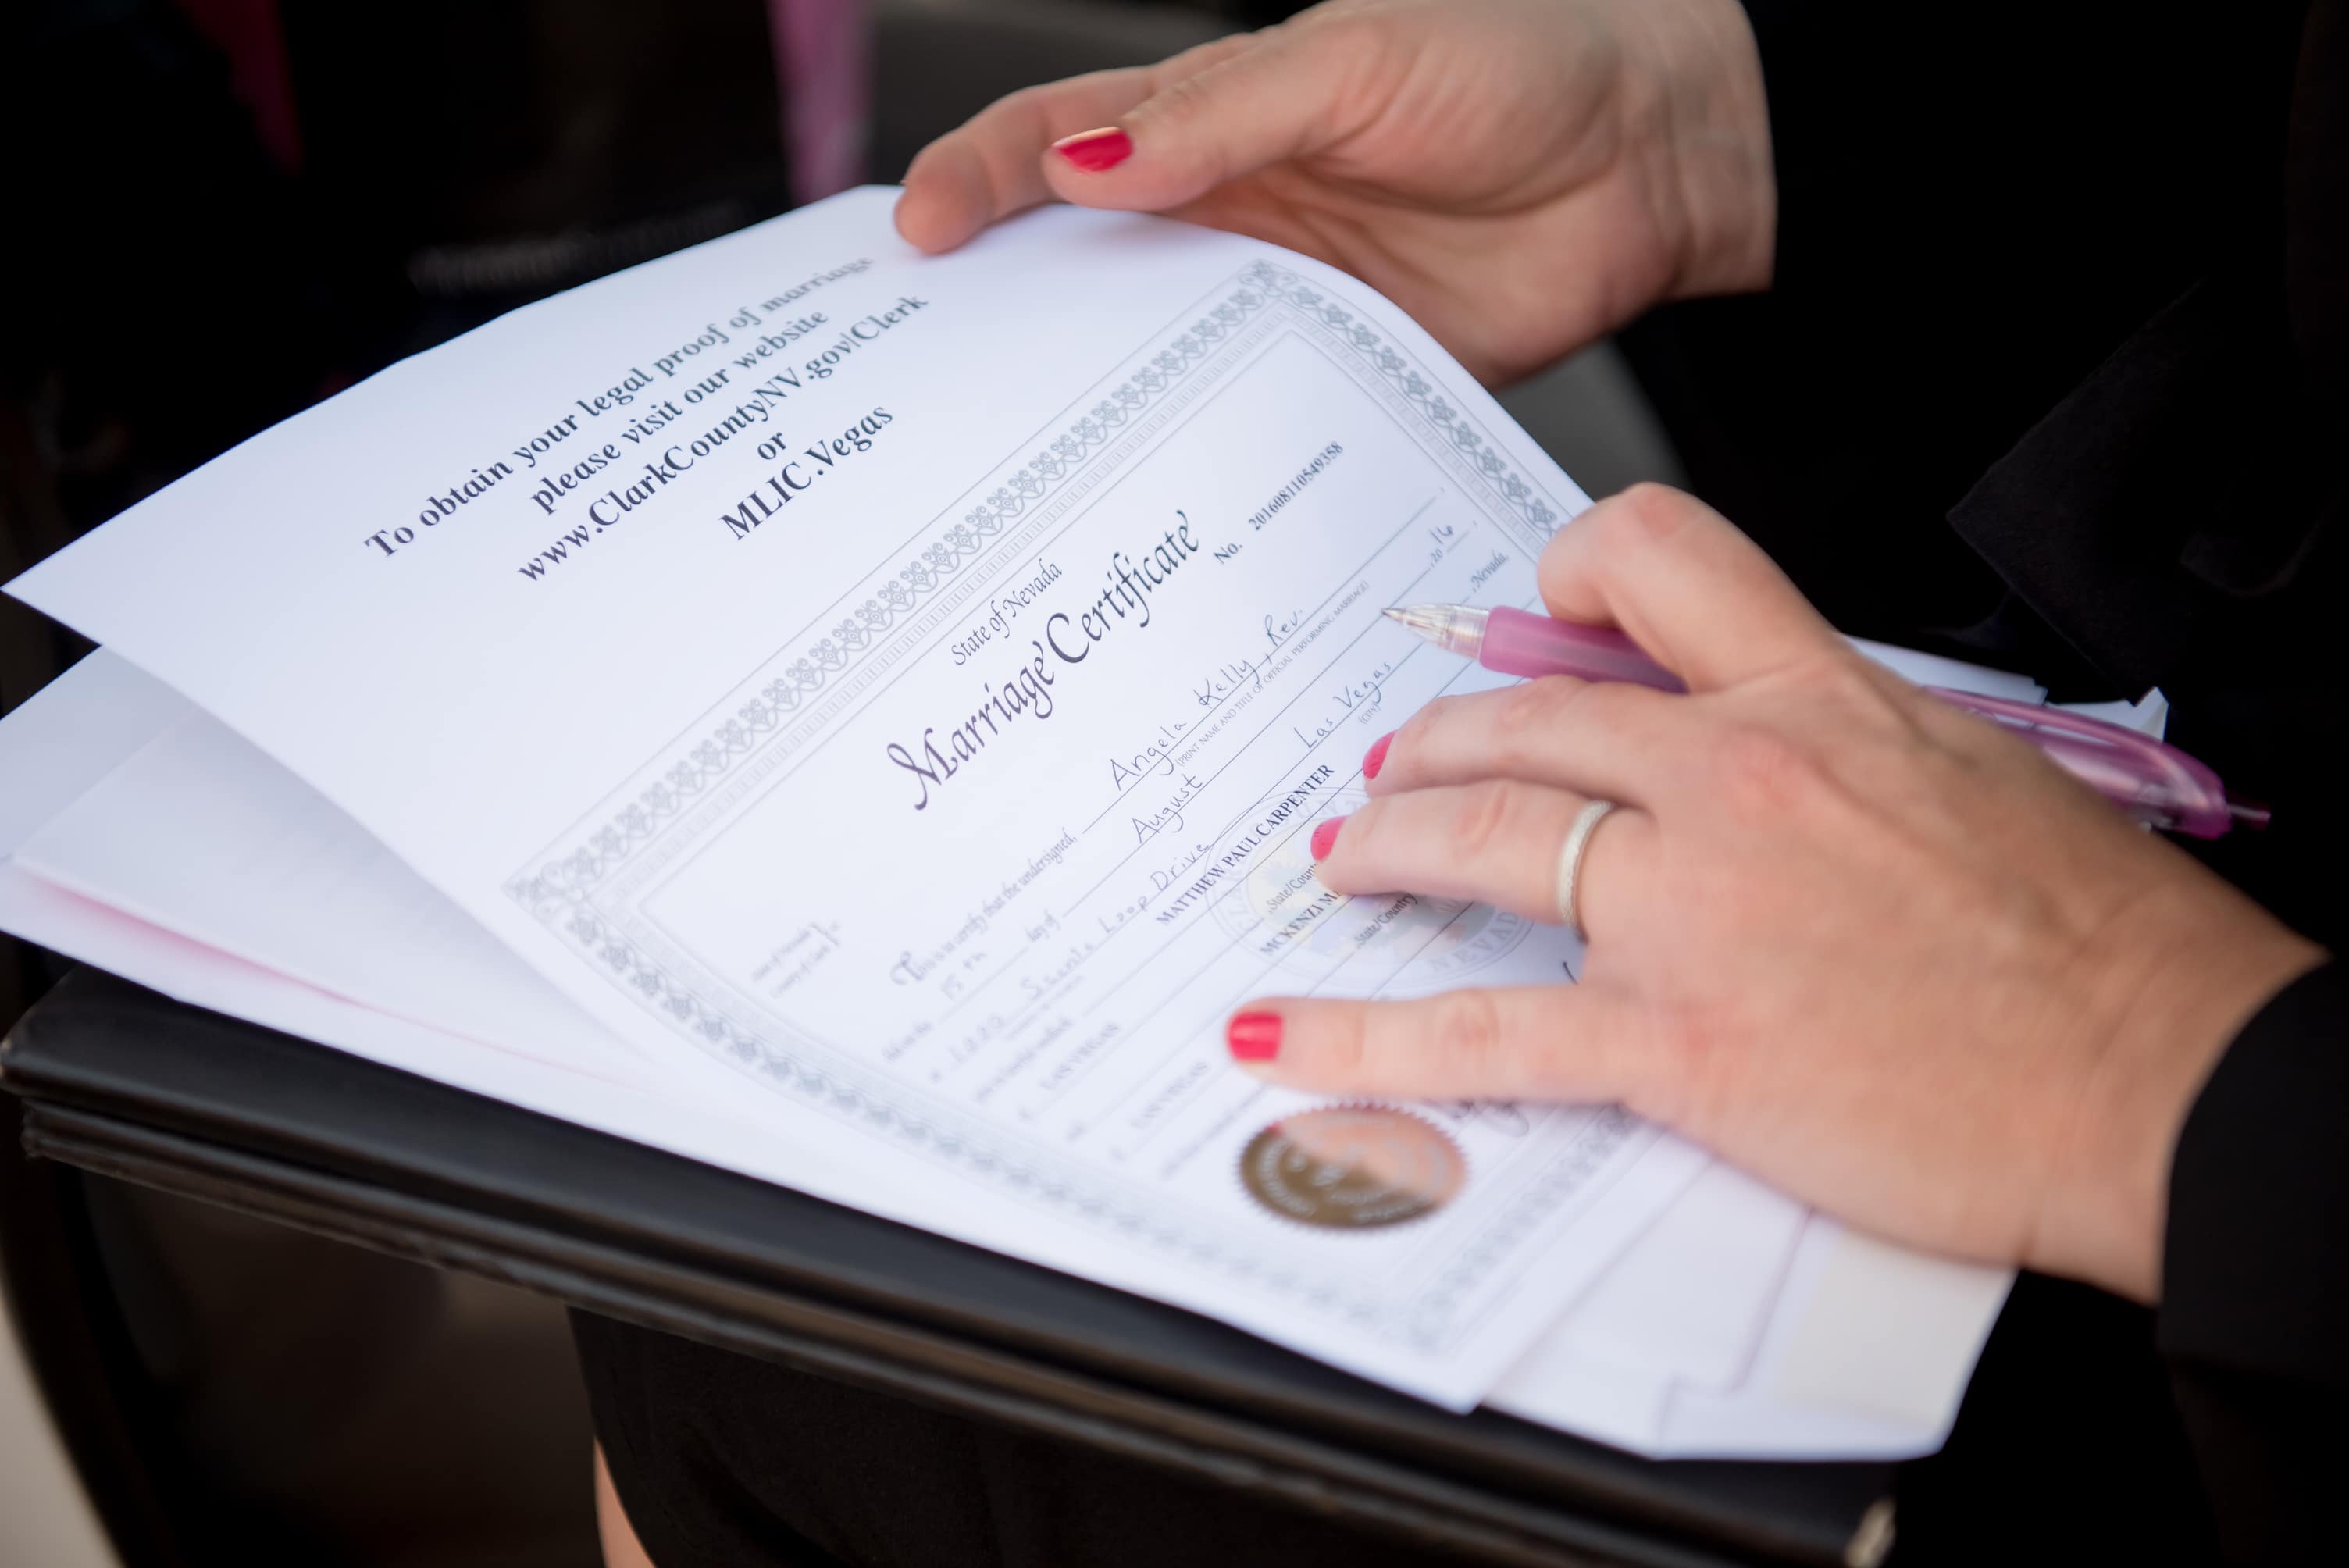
[1353, 1167]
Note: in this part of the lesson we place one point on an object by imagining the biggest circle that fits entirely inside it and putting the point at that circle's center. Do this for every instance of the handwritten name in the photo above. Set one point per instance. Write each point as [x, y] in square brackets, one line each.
[1157, 756]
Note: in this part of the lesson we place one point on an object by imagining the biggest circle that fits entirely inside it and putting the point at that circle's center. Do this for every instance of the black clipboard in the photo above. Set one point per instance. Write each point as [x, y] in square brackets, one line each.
[119, 1080]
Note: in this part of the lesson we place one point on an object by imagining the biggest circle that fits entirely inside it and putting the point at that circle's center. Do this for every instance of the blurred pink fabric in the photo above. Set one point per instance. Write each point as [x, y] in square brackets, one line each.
[823, 66]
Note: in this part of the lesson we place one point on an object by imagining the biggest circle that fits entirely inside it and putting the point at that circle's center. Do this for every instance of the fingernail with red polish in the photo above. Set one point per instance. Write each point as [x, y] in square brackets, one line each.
[1376, 756]
[1094, 151]
[1253, 1036]
[1325, 837]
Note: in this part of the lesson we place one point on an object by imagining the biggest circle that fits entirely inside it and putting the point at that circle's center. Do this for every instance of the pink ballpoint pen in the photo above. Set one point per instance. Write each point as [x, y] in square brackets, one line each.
[2151, 782]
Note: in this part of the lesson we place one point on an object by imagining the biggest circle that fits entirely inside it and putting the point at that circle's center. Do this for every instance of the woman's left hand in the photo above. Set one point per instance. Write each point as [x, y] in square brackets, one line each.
[1873, 949]
[1520, 176]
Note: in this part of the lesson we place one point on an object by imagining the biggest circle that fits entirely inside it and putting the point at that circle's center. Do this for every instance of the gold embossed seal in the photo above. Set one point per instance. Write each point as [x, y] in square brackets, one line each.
[1353, 1167]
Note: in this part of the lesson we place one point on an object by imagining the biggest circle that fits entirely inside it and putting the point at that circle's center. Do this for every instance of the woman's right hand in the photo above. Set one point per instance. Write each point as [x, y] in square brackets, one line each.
[1521, 176]
[1874, 950]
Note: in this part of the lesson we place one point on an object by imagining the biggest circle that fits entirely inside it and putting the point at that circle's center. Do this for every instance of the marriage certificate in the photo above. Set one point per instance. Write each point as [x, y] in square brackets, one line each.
[893, 696]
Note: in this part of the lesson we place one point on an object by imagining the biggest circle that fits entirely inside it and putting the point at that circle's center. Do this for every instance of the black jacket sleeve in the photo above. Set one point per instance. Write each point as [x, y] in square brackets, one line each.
[2254, 1319]
[2077, 152]
[1976, 204]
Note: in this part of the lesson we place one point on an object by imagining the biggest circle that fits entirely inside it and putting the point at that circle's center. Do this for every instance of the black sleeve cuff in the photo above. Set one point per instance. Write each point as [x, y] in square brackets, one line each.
[1927, 153]
[2255, 1271]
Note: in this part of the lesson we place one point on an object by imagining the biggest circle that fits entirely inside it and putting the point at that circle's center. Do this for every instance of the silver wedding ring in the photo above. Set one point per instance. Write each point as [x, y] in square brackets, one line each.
[1569, 862]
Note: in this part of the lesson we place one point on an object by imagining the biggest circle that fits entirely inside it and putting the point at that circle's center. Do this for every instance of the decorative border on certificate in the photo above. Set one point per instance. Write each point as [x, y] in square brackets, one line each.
[594, 854]
[1465, 437]
[562, 888]
[1567, 1178]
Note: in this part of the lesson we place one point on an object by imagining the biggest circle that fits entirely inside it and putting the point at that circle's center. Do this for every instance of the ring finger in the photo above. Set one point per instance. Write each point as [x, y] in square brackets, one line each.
[1497, 842]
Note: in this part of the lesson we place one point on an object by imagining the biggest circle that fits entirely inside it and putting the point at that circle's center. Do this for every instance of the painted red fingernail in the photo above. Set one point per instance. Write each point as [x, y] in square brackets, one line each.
[1094, 151]
[1376, 756]
[1325, 837]
[1253, 1036]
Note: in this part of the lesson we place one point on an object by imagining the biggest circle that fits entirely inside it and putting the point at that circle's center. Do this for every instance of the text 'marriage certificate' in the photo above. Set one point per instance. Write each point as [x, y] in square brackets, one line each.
[1012, 807]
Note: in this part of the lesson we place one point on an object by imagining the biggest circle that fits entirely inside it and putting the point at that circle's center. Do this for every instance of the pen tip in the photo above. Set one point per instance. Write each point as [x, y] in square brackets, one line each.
[1392, 614]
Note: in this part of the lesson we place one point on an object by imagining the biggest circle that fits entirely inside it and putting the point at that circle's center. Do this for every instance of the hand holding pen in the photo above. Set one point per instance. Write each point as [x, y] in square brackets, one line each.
[1852, 938]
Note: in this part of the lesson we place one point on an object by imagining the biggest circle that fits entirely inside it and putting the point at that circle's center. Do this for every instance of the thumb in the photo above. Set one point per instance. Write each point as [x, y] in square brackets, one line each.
[1215, 113]
[1575, 1043]
[1685, 586]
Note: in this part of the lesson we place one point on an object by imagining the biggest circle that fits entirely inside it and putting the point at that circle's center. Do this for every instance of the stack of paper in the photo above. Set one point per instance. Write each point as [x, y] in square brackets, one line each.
[857, 718]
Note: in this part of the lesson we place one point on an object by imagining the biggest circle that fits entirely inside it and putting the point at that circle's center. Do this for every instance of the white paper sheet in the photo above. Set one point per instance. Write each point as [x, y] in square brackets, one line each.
[68, 736]
[201, 834]
[1868, 1357]
[1676, 1316]
[1913, 1326]
[892, 713]
[723, 740]
[101, 722]
[1689, 1303]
